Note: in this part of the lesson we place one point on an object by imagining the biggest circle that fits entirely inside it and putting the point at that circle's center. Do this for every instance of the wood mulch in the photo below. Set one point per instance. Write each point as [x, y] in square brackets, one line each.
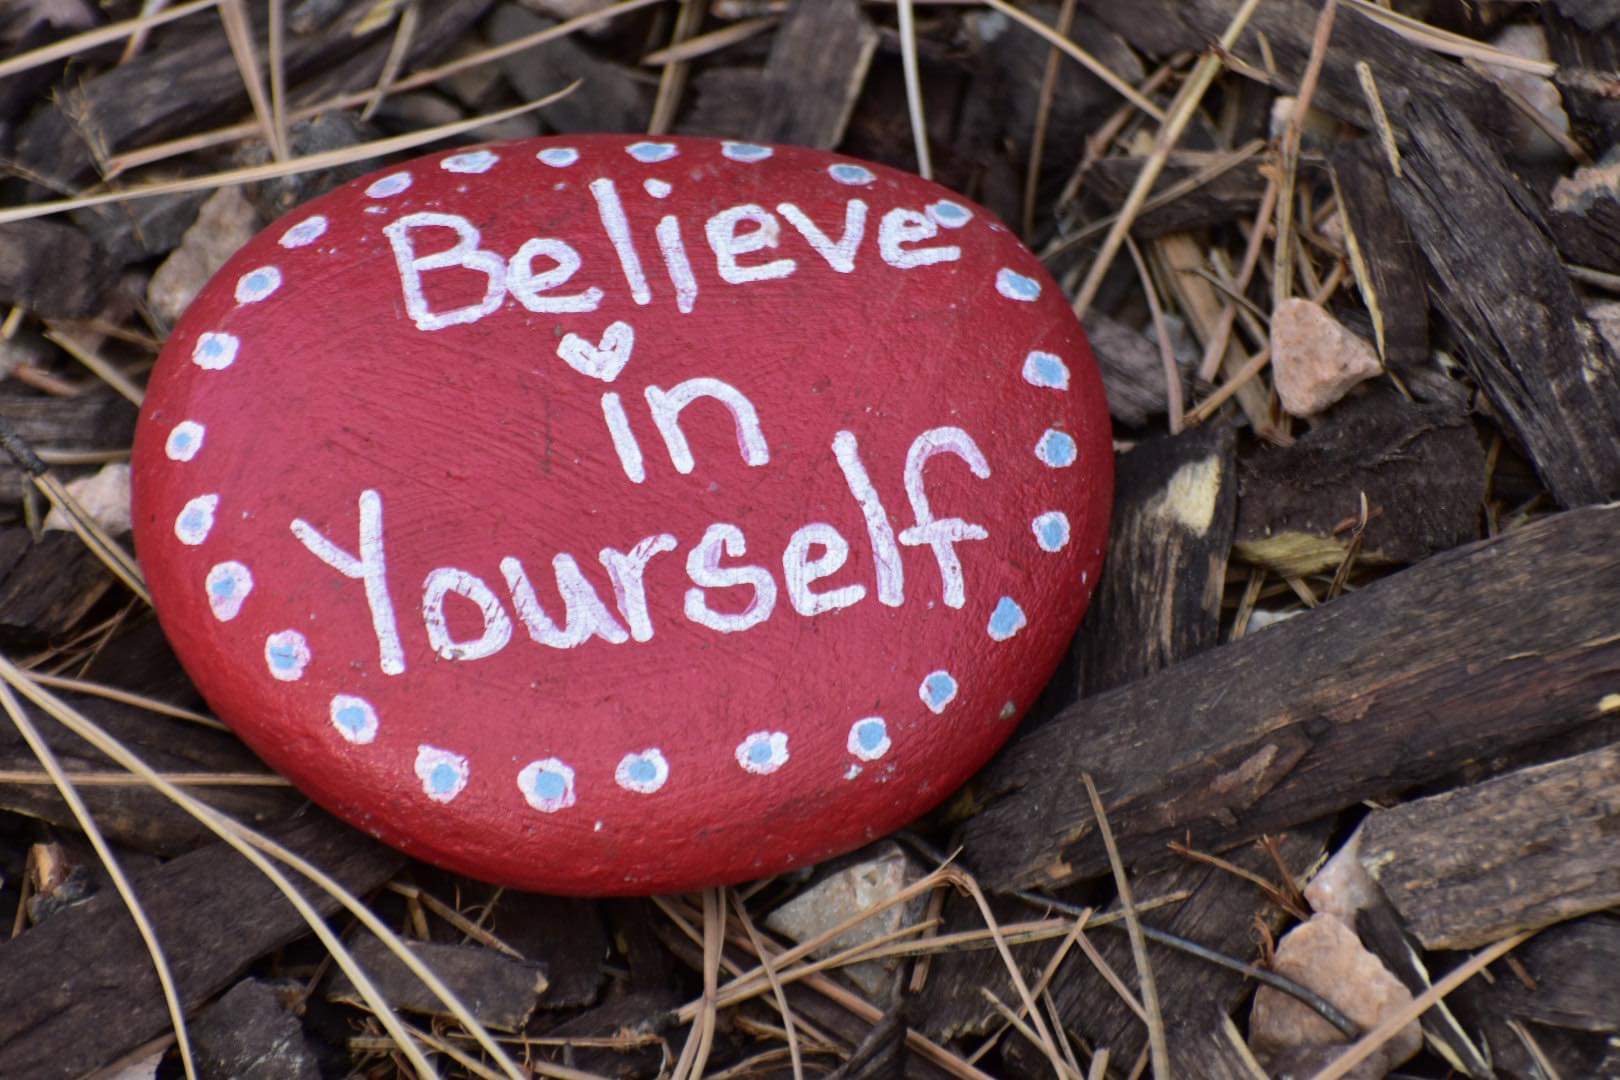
[1389, 633]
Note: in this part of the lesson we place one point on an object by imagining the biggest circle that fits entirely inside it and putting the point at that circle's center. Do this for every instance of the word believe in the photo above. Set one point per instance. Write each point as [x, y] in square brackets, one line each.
[738, 231]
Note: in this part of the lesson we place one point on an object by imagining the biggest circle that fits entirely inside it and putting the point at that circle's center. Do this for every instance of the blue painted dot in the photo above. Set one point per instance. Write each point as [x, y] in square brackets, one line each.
[183, 441]
[223, 585]
[550, 786]
[950, 214]
[1015, 286]
[1056, 449]
[1006, 620]
[760, 752]
[443, 777]
[937, 690]
[475, 161]
[745, 152]
[353, 717]
[1051, 530]
[283, 656]
[868, 741]
[855, 175]
[255, 285]
[1045, 370]
[642, 771]
[392, 184]
[650, 152]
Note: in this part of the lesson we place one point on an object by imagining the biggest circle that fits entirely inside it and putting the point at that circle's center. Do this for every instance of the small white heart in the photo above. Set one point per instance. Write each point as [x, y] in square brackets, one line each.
[603, 361]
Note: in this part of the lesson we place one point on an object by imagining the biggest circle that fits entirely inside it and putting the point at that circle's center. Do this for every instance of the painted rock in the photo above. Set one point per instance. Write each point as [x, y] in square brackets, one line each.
[601, 515]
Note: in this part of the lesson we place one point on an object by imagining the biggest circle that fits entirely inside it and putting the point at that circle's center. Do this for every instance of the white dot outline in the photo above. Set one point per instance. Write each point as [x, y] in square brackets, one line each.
[1035, 375]
[851, 174]
[653, 756]
[1020, 620]
[1054, 446]
[530, 773]
[1038, 527]
[387, 187]
[856, 747]
[367, 731]
[298, 647]
[215, 350]
[428, 761]
[649, 152]
[776, 746]
[558, 157]
[304, 233]
[258, 284]
[229, 605]
[470, 162]
[1015, 286]
[196, 519]
[938, 707]
[185, 441]
[745, 153]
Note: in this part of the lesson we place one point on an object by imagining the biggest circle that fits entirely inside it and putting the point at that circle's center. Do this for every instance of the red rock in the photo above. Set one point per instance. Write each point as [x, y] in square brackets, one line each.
[544, 510]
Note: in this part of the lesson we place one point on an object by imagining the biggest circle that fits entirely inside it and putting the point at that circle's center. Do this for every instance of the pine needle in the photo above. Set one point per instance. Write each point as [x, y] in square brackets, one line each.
[914, 103]
[102, 35]
[1158, 1049]
[259, 849]
[672, 83]
[327, 159]
[1079, 55]
[1180, 115]
[81, 814]
[1392, 1024]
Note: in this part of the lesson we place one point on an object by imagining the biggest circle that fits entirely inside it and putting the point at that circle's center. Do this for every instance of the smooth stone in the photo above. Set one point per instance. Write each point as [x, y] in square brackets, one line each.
[591, 535]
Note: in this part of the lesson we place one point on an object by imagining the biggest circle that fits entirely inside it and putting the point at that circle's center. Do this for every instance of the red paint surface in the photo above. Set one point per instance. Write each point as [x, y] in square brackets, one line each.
[483, 444]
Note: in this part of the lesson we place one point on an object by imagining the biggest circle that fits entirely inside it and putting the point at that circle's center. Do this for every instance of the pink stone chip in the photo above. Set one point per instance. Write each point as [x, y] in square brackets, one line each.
[1314, 359]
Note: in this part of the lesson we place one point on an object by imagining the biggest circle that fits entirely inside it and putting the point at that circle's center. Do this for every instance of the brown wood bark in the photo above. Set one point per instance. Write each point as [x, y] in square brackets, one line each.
[1396, 280]
[79, 990]
[1421, 468]
[1522, 331]
[94, 420]
[1159, 599]
[1231, 196]
[250, 1033]
[1588, 76]
[1559, 990]
[1401, 69]
[1132, 370]
[53, 270]
[1471, 653]
[134, 815]
[1533, 847]
[501, 991]
[193, 80]
[1221, 912]
[817, 66]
